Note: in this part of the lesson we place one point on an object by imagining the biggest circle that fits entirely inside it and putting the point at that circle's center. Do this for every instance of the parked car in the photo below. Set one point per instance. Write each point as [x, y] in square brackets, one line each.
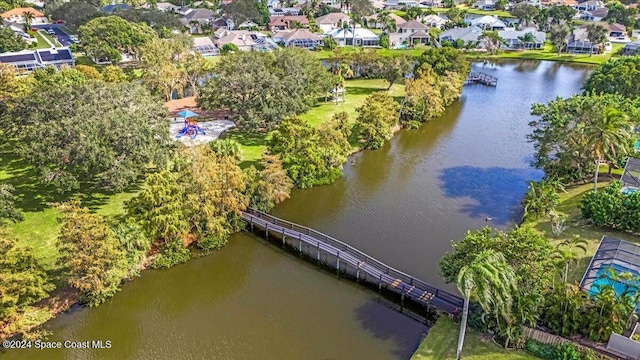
[51, 32]
[60, 21]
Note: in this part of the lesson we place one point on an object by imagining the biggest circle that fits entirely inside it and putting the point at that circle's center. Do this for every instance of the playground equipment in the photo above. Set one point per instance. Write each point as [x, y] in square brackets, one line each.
[191, 127]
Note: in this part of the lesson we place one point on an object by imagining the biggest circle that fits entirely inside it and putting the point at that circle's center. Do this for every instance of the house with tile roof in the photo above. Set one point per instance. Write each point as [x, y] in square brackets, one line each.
[278, 23]
[513, 38]
[372, 21]
[468, 35]
[412, 32]
[197, 20]
[332, 21]
[302, 38]
[244, 40]
[17, 16]
[433, 21]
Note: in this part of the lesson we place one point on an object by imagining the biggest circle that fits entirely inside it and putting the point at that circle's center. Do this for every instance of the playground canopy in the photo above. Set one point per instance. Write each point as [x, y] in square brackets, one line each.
[618, 255]
[187, 114]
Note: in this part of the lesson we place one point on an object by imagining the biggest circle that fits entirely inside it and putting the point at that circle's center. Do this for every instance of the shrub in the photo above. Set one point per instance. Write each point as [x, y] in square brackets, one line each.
[541, 350]
[610, 207]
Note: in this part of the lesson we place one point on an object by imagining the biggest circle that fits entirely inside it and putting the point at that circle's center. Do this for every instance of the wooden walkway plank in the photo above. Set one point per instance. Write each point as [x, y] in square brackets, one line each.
[364, 265]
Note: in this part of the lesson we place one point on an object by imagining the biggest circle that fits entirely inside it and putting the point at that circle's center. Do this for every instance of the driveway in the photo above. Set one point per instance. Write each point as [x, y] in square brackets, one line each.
[63, 37]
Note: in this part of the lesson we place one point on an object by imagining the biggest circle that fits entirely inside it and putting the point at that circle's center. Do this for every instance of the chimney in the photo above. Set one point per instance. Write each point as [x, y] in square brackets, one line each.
[243, 37]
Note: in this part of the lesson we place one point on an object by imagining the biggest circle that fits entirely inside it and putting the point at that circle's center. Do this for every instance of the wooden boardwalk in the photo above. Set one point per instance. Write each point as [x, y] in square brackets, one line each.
[348, 259]
[482, 78]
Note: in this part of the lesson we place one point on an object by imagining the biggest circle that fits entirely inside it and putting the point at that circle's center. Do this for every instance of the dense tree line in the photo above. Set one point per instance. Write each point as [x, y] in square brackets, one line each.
[574, 134]
[10, 41]
[57, 127]
[261, 89]
[517, 278]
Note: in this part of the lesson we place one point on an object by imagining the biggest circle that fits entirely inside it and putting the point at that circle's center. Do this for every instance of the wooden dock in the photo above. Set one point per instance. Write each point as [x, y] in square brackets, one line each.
[345, 258]
[481, 78]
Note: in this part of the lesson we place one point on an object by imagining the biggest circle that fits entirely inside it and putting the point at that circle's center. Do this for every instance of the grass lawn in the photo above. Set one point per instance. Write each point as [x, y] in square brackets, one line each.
[253, 145]
[442, 340]
[39, 228]
[42, 44]
[415, 52]
[549, 54]
[568, 208]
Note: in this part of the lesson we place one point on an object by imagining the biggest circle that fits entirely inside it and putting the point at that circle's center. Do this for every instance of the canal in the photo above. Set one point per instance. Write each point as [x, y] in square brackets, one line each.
[402, 204]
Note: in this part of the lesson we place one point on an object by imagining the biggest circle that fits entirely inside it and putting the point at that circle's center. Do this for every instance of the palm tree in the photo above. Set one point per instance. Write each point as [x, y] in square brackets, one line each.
[605, 135]
[490, 280]
[28, 17]
[345, 27]
[567, 253]
[527, 38]
[388, 24]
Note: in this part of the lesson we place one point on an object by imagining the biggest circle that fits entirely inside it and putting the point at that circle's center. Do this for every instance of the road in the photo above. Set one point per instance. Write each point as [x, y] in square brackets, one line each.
[61, 36]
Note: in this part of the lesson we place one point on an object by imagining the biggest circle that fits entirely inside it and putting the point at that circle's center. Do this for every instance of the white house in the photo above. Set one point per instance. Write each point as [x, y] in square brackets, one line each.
[30, 60]
[302, 38]
[205, 46]
[487, 5]
[354, 37]
[595, 15]
[167, 7]
[434, 21]
[17, 16]
[411, 32]
[513, 39]
[488, 22]
[589, 5]
[332, 21]
[244, 40]
[467, 35]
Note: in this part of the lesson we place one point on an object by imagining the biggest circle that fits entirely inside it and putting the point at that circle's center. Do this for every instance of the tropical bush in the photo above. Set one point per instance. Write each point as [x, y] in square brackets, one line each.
[541, 199]
[610, 207]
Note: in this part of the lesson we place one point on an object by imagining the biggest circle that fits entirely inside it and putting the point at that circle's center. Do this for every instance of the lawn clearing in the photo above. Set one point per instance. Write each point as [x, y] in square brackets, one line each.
[254, 145]
[40, 227]
[442, 340]
[569, 209]
[549, 54]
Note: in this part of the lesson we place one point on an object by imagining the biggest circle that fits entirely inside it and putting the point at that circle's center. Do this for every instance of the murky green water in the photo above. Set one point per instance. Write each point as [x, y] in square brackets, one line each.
[403, 204]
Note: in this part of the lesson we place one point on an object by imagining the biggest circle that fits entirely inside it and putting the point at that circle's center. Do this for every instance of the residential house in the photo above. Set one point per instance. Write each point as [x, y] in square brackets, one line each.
[433, 21]
[514, 42]
[277, 23]
[302, 38]
[632, 48]
[488, 22]
[222, 23]
[109, 9]
[468, 35]
[29, 60]
[205, 46]
[617, 31]
[578, 43]
[431, 3]
[244, 40]
[17, 16]
[397, 4]
[332, 21]
[167, 7]
[372, 21]
[246, 25]
[284, 11]
[412, 32]
[595, 15]
[197, 20]
[354, 37]
[589, 5]
[486, 5]
[36, 3]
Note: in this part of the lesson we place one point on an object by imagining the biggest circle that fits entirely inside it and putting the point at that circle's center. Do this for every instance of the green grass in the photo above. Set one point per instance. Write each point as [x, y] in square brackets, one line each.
[549, 54]
[357, 92]
[415, 52]
[49, 37]
[568, 208]
[40, 227]
[254, 145]
[42, 44]
[442, 340]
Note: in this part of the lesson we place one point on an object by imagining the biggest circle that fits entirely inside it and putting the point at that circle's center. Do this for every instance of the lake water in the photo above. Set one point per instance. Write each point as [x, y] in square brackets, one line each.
[402, 204]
